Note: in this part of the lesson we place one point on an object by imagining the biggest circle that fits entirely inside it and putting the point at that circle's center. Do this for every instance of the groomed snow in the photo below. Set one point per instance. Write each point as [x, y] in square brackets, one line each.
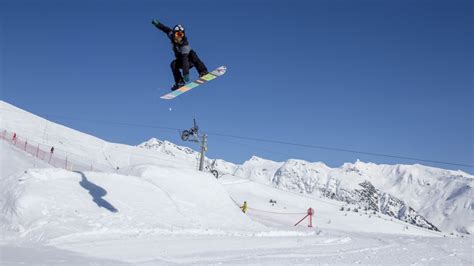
[155, 208]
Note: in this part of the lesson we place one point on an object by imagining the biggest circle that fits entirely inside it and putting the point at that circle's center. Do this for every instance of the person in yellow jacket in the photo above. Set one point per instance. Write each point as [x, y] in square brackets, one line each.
[244, 207]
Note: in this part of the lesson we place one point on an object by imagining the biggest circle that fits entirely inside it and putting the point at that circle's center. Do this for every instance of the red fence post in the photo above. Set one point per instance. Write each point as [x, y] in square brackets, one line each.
[26, 143]
[310, 214]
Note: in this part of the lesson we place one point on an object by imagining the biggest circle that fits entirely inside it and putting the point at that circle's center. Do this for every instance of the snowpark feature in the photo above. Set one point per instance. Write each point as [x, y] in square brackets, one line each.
[150, 206]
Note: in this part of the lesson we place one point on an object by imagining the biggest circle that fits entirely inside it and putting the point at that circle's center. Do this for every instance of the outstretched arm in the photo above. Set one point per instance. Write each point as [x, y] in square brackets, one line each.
[161, 27]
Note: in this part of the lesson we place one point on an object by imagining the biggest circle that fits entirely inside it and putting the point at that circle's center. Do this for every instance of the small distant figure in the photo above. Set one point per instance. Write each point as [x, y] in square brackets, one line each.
[273, 202]
[51, 154]
[244, 207]
[14, 137]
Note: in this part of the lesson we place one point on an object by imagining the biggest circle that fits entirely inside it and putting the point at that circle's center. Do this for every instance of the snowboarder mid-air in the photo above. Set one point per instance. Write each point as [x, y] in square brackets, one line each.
[186, 57]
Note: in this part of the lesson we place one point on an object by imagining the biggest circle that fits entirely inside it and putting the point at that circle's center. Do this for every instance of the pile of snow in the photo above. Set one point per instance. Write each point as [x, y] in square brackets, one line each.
[44, 204]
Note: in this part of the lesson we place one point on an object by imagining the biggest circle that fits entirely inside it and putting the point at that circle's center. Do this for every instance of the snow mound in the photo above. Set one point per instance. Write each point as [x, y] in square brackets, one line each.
[45, 204]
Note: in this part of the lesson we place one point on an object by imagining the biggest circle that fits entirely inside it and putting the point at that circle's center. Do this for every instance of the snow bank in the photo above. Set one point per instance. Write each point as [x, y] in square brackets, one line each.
[52, 203]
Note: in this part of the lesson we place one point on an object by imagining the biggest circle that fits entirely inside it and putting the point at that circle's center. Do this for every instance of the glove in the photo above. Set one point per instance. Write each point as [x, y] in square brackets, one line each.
[186, 78]
[155, 22]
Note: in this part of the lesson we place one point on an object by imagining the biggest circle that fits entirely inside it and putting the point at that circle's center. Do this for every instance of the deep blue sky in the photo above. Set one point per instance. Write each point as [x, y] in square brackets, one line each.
[391, 77]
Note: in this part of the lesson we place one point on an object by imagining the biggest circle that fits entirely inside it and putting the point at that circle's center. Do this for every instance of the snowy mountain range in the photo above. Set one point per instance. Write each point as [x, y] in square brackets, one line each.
[432, 198]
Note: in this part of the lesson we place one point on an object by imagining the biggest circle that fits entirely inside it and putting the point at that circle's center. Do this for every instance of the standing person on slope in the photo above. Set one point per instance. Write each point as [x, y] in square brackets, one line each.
[186, 58]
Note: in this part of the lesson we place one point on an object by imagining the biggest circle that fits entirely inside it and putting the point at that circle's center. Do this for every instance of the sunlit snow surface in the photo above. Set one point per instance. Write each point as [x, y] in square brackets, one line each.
[157, 209]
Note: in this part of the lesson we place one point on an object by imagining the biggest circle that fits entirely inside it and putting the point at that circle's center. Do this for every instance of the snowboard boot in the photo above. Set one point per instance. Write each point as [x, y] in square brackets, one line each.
[201, 74]
[177, 85]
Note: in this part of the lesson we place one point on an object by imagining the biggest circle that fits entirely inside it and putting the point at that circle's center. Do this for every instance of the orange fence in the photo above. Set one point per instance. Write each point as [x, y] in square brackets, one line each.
[52, 156]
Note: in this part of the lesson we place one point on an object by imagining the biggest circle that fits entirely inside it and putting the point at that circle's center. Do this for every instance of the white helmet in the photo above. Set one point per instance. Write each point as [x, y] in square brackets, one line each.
[178, 27]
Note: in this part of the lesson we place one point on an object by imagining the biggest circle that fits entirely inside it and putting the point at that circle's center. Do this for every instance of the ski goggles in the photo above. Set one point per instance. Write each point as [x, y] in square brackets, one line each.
[179, 34]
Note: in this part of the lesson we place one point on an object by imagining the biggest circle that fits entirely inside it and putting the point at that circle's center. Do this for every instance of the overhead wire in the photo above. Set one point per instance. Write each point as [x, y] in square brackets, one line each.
[337, 149]
[240, 144]
[302, 145]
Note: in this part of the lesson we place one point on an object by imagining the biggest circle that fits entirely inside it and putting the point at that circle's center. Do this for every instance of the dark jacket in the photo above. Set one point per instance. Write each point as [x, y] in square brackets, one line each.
[181, 50]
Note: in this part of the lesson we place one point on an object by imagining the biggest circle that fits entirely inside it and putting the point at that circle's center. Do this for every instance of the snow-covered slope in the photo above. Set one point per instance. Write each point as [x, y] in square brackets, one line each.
[44, 204]
[152, 200]
[258, 169]
[430, 197]
[140, 190]
[171, 149]
[186, 154]
[443, 197]
[274, 207]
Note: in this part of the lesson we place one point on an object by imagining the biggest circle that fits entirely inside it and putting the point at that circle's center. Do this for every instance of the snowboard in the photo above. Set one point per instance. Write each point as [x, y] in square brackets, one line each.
[193, 84]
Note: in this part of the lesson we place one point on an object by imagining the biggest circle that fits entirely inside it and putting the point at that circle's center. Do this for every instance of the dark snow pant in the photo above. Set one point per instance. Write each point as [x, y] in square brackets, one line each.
[194, 60]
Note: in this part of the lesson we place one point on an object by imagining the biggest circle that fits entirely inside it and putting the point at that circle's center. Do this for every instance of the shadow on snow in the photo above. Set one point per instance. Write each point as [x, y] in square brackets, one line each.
[97, 193]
